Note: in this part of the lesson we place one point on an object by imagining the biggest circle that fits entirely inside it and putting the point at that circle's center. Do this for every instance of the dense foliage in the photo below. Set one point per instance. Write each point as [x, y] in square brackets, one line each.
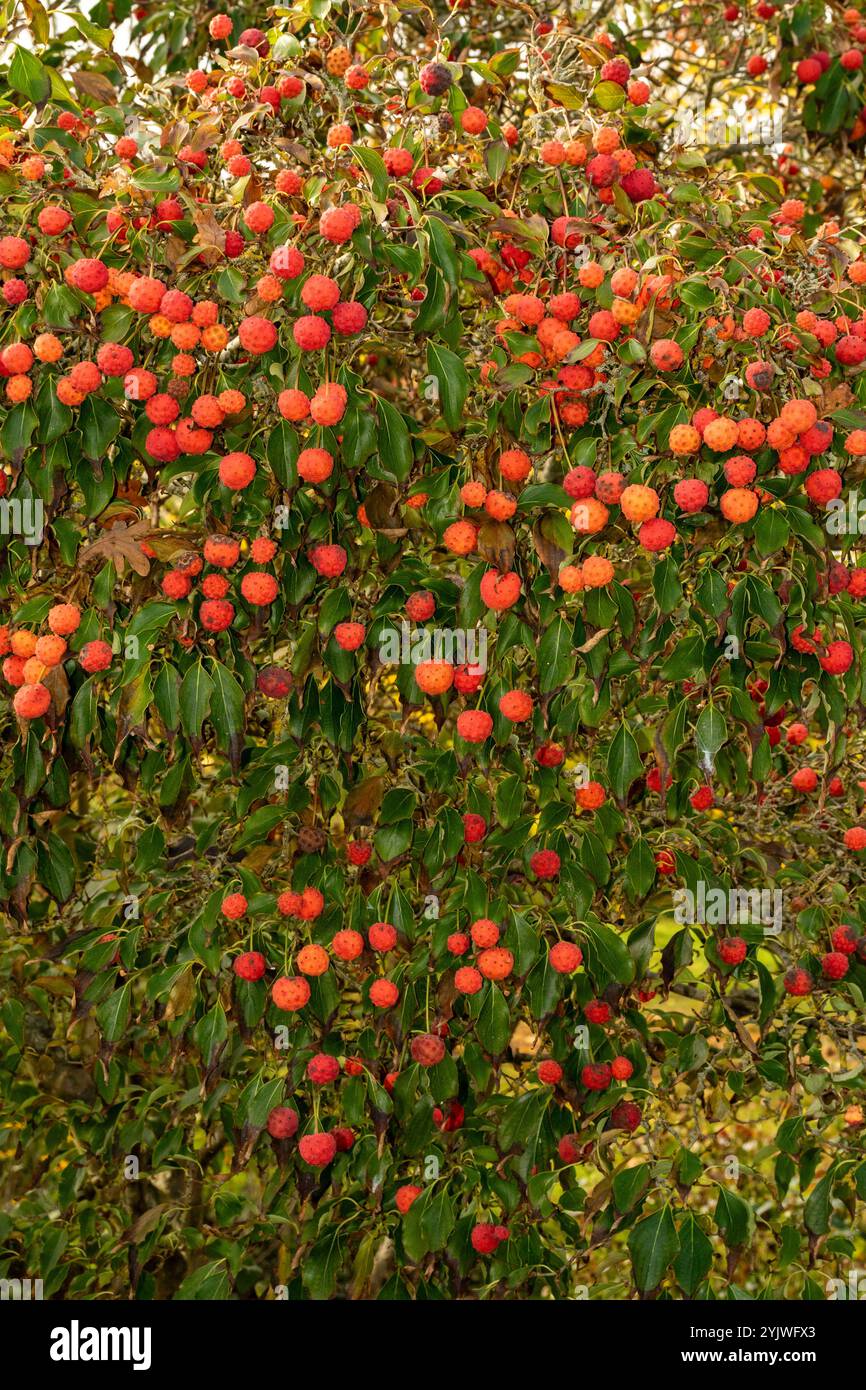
[432, 828]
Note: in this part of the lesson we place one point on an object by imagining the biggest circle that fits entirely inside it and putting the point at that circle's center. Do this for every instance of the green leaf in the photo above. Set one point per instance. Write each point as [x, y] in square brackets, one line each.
[99, 423]
[227, 711]
[210, 1282]
[452, 380]
[629, 1185]
[772, 531]
[55, 867]
[150, 848]
[640, 867]
[623, 762]
[555, 658]
[710, 733]
[166, 695]
[82, 714]
[607, 954]
[196, 690]
[734, 1218]
[395, 447]
[666, 585]
[210, 1033]
[438, 1219]
[28, 76]
[695, 1260]
[258, 826]
[113, 1014]
[17, 431]
[816, 1213]
[653, 1244]
[493, 1023]
[321, 1265]
[282, 451]
[442, 251]
[374, 164]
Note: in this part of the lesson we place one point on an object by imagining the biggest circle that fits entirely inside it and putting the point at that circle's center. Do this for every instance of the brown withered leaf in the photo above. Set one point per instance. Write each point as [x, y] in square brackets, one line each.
[173, 135]
[205, 134]
[836, 398]
[173, 249]
[93, 84]
[363, 801]
[58, 687]
[253, 190]
[242, 54]
[532, 228]
[496, 544]
[209, 234]
[144, 1224]
[181, 996]
[259, 857]
[295, 148]
[382, 508]
[122, 545]
[547, 547]
[167, 545]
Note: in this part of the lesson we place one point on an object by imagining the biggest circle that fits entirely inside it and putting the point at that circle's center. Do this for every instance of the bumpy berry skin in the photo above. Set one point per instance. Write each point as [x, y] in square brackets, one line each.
[290, 994]
[837, 658]
[274, 682]
[798, 982]
[484, 932]
[95, 656]
[596, 1076]
[382, 936]
[329, 560]
[32, 701]
[283, 1122]
[216, 615]
[405, 1196]
[236, 471]
[434, 677]
[344, 1138]
[834, 965]
[323, 1069]
[565, 957]
[313, 960]
[384, 994]
[318, 1150]
[549, 1073]
[435, 79]
[625, 1115]
[347, 944]
[732, 950]
[427, 1049]
[259, 589]
[249, 966]
[474, 725]
[496, 963]
[844, 939]
[545, 864]
[500, 591]
[569, 1148]
[485, 1237]
[234, 906]
[64, 619]
[468, 980]
[702, 799]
